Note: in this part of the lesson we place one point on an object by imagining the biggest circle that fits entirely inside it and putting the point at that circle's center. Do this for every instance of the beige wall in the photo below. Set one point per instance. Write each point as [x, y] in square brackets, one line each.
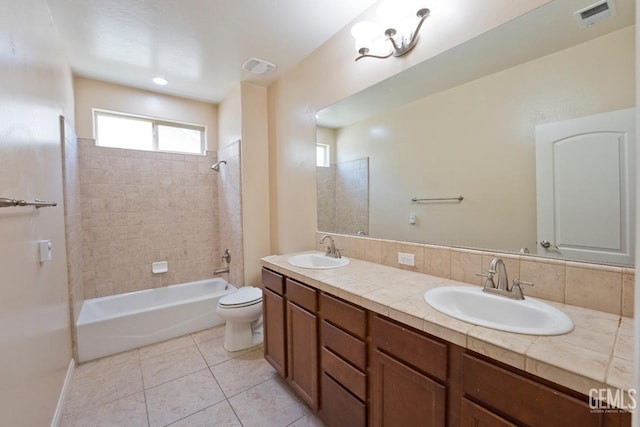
[255, 180]
[478, 140]
[230, 184]
[91, 94]
[325, 135]
[328, 75]
[35, 338]
[245, 225]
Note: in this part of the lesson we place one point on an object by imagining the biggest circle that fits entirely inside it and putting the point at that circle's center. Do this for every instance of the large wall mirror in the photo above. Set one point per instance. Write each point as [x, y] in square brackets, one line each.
[535, 101]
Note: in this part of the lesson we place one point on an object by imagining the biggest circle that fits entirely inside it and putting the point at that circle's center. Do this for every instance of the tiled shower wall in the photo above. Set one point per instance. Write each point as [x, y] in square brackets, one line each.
[326, 182]
[352, 196]
[139, 207]
[230, 211]
[72, 222]
[344, 190]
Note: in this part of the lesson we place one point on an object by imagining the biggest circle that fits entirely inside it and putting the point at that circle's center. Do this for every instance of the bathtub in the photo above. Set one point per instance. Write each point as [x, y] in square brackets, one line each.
[112, 324]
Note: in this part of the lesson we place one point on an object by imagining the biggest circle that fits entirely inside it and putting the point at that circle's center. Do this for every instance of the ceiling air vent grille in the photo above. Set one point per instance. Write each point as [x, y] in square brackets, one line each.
[258, 66]
[595, 13]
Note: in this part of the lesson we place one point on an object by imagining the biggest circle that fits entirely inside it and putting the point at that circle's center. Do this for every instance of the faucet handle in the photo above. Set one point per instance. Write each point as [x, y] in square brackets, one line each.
[516, 290]
[518, 282]
[489, 275]
[489, 283]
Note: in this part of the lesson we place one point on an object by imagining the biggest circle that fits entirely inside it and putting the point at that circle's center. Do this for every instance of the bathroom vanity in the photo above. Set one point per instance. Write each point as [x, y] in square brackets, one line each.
[332, 338]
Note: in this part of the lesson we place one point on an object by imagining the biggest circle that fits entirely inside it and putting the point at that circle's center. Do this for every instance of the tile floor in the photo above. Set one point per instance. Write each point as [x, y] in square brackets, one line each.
[187, 381]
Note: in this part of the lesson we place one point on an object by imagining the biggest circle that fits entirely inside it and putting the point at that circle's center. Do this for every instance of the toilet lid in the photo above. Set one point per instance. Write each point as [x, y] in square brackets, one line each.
[244, 296]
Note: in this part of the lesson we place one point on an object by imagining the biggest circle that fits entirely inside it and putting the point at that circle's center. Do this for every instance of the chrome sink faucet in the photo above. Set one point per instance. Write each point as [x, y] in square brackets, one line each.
[502, 288]
[331, 251]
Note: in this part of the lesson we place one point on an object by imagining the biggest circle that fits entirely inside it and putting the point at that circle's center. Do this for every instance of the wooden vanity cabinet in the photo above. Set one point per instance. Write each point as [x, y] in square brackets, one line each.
[273, 314]
[359, 368]
[407, 376]
[498, 395]
[291, 333]
[343, 363]
[302, 341]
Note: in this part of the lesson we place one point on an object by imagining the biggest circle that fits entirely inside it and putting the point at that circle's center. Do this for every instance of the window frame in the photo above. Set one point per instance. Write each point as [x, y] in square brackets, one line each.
[155, 122]
[327, 155]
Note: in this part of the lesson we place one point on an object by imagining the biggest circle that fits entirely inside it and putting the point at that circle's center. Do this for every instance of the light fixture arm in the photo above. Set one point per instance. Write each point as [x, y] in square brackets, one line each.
[364, 53]
[398, 49]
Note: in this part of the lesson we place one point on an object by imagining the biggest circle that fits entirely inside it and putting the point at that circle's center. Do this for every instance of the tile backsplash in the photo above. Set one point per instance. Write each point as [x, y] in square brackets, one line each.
[600, 287]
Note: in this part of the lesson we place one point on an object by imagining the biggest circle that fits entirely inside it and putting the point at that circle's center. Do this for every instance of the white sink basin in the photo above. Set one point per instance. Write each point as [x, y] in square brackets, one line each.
[317, 261]
[528, 316]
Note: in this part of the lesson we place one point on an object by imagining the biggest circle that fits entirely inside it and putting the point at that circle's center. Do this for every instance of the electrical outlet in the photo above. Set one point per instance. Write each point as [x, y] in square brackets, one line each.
[406, 259]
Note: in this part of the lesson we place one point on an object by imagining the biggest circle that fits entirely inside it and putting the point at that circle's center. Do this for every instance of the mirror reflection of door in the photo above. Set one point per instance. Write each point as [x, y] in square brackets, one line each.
[585, 178]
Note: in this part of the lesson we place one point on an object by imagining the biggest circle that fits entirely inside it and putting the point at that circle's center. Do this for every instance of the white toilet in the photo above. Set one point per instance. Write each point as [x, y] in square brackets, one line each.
[242, 310]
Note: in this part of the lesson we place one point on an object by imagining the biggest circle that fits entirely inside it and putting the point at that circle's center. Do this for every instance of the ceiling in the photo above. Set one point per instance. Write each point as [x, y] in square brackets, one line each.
[199, 46]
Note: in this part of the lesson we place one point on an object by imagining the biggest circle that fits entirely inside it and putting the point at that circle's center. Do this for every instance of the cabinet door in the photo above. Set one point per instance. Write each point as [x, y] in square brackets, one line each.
[274, 331]
[476, 416]
[339, 407]
[302, 333]
[402, 396]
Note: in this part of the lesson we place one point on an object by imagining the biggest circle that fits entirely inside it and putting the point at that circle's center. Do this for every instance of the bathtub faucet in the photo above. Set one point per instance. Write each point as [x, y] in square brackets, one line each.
[227, 259]
[220, 270]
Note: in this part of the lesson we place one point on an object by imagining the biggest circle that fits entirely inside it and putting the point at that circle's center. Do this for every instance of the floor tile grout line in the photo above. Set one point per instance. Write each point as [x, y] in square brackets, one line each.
[144, 390]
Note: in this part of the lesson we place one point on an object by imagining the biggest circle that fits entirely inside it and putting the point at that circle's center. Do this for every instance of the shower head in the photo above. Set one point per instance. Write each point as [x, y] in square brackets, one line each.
[216, 166]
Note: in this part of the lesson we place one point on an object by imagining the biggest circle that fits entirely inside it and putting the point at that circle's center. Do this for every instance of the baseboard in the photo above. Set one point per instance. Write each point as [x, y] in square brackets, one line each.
[57, 416]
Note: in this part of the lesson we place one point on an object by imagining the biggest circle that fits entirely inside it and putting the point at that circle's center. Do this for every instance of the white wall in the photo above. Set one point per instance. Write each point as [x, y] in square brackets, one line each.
[91, 94]
[478, 140]
[35, 338]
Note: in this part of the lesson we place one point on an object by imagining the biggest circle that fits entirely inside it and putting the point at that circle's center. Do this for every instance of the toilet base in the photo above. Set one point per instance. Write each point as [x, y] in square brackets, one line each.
[240, 336]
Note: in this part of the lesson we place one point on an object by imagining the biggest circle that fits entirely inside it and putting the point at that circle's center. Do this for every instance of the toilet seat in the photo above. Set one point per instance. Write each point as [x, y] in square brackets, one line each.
[244, 297]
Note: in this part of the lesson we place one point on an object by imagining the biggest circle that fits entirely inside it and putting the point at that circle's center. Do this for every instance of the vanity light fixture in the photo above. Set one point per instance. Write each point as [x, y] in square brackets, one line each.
[160, 81]
[398, 40]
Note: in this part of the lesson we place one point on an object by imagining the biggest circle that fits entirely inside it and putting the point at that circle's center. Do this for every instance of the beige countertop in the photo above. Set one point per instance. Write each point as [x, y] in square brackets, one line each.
[598, 353]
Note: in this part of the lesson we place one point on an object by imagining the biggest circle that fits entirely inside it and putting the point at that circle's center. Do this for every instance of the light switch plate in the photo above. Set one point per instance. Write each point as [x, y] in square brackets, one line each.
[406, 259]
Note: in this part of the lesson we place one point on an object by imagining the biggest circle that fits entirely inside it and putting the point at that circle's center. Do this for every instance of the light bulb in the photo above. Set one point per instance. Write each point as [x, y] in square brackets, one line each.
[364, 33]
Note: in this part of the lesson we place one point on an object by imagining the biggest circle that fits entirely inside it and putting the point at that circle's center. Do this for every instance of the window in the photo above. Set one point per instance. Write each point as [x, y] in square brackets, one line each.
[322, 155]
[120, 130]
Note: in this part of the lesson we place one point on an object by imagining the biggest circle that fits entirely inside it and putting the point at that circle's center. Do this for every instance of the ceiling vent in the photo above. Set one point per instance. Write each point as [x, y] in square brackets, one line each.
[258, 66]
[595, 13]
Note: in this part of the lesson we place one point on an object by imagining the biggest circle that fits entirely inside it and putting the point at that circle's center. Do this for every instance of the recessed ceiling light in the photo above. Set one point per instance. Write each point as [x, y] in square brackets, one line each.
[160, 81]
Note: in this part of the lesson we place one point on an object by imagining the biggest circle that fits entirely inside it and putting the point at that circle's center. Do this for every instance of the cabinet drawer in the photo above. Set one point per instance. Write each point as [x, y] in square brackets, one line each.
[347, 316]
[525, 400]
[302, 295]
[273, 281]
[423, 353]
[474, 415]
[351, 378]
[343, 344]
[339, 407]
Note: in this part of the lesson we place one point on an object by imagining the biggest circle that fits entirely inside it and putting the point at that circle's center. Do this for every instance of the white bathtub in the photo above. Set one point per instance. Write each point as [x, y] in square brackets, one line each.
[112, 324]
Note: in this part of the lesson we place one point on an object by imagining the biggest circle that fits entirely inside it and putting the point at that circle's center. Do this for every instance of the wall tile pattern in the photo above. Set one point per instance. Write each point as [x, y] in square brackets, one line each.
[344, 190]
[326, 197]
[139, 207]
[73, 224]
[229, 201]
[599, 287]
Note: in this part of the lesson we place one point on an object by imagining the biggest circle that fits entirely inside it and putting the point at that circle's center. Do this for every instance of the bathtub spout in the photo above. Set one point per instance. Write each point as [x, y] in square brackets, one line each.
[220, 270]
